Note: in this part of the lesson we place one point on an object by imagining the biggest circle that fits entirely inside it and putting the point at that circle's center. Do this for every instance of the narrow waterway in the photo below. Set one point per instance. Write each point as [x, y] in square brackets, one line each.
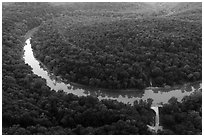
[158, 95]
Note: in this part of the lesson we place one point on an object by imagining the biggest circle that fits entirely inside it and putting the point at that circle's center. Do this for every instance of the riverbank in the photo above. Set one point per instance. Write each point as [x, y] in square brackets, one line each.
[158, 95]
[166, 88]
[31, 32]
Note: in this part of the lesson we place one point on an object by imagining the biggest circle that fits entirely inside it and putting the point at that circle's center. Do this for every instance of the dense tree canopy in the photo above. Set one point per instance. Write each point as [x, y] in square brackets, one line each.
[121, 53]
[183, 118]
[30, 107]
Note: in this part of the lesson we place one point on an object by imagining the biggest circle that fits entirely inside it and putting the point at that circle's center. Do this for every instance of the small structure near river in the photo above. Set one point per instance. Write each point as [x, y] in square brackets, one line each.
[156, 125]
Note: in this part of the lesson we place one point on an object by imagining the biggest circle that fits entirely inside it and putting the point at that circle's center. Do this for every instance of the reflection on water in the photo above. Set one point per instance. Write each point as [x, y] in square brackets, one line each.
[158, 95]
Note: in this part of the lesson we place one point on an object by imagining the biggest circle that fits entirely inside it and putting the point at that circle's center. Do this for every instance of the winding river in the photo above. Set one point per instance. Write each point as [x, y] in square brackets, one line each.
[159, 95]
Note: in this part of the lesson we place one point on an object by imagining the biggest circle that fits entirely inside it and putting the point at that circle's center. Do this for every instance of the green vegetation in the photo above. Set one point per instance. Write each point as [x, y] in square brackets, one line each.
[120, 54]
[30, 107]
[183, 118]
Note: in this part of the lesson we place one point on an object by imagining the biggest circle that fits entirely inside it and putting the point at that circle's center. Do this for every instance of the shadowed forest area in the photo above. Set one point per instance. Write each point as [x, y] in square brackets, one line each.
[103, 45]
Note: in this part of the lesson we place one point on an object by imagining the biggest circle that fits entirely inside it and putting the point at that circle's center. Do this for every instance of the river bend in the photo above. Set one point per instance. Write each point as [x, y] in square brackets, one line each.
[159, 95]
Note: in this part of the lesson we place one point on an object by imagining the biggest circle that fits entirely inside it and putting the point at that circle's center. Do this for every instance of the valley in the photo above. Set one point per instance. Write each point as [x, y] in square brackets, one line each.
[98, 68]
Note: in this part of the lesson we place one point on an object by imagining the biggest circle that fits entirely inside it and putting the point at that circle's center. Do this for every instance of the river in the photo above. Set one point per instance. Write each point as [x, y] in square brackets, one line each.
[159, 95]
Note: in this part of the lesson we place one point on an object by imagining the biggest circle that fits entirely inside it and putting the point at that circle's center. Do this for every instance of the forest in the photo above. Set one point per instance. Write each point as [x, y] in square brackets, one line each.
[121, 54]
[29, 106]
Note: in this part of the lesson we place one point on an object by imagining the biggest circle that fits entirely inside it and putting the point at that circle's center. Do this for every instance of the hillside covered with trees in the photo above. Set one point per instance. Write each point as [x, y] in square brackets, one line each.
[29, 106]
[121, 53]
[183, 118]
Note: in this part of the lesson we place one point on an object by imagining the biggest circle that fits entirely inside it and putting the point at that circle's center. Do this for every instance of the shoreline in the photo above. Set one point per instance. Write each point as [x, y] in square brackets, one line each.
[176, 86]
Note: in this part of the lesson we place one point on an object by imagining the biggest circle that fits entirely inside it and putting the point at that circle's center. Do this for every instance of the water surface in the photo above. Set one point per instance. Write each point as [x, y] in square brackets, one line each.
[159, 95]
